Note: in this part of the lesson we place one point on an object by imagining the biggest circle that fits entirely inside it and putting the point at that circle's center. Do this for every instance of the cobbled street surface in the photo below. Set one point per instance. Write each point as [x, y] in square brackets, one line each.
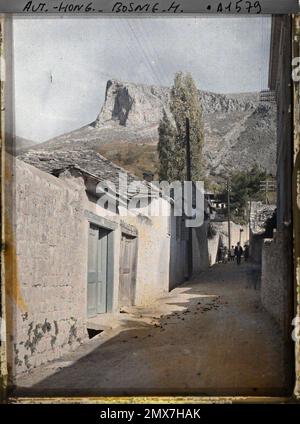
[209, 336]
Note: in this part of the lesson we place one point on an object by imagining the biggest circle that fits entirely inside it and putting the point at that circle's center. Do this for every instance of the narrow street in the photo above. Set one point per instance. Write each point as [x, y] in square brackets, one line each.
[209, 336]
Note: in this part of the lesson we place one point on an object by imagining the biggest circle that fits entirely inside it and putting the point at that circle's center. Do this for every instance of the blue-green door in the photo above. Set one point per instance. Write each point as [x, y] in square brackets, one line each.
[97, 271]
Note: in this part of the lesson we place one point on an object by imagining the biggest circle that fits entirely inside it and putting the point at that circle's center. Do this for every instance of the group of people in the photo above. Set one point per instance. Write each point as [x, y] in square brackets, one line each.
[234, 253]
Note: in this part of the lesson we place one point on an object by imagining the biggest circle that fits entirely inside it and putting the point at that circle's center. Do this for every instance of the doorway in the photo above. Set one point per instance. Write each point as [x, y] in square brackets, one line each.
[97, 270]
[128, 262]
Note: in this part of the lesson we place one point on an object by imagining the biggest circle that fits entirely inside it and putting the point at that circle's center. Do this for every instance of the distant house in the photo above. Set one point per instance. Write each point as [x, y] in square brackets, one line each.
[217, 204]
[78, 259]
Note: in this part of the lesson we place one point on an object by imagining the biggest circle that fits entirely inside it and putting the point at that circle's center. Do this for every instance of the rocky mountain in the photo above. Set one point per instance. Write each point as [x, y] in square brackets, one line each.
[240, 129]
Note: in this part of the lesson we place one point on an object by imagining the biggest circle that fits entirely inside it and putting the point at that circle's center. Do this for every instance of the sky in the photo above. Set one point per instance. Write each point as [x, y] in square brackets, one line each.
[61, 65]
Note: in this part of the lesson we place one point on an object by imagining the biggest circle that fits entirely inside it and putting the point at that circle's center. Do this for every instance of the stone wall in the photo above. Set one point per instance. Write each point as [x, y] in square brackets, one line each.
[205, 249]
[213, 246]
[276, 278]
[200, 248]
[51, 234]
[154, 240]
[154, 249]
[236, 236]
[49, 229]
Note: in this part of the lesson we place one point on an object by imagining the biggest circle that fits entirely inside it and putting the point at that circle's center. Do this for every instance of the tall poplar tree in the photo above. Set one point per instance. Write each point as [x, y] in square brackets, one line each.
[166, 148]
[185, 103]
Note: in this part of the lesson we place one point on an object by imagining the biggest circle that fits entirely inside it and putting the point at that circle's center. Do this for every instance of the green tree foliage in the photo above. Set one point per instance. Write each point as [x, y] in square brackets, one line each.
[184, 103]
[245, 186]
[166, 148]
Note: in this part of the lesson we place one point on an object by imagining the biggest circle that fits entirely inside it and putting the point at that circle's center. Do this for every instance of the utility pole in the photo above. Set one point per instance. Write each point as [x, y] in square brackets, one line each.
[249, 226]
[228, 214]
[249, 217]
[267, 186]
[189, 178]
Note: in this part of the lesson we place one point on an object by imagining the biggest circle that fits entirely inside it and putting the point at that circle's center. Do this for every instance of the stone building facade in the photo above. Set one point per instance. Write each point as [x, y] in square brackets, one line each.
[57, 209]
[49, 231]
[277, 272]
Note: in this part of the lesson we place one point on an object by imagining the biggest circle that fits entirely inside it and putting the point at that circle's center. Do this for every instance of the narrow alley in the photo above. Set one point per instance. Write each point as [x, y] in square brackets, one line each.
[209, 336]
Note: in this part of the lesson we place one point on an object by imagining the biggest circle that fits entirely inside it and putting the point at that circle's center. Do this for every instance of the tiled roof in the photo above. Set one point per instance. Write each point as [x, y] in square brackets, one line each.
[87, 161]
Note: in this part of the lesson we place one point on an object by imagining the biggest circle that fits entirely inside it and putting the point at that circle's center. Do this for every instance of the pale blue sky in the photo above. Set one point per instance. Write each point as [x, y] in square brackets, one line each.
[224, 55]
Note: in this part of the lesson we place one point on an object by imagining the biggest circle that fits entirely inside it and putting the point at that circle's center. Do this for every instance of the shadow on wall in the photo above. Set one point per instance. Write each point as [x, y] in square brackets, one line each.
[202, 255]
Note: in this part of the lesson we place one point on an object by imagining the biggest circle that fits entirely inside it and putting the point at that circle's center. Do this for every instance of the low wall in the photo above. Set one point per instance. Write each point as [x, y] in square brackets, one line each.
[213, 246]
[235, 234]
[51, 244]
[205, 249]
[200, 248]
[276, 278]
[153, 254]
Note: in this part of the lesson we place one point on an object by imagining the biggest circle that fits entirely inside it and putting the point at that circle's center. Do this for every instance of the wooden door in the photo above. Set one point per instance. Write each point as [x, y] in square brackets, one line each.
[92, 271]
[128, 259]
[102, 272]
[97, 271]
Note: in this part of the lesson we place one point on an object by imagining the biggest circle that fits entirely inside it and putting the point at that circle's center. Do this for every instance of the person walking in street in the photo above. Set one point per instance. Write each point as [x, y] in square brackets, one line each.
[246, 252]
[219, 257]
[238, 253]
[225, 255]
[232, 255]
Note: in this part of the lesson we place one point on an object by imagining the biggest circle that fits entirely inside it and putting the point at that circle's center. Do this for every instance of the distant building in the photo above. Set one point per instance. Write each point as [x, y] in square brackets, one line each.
[267, 96]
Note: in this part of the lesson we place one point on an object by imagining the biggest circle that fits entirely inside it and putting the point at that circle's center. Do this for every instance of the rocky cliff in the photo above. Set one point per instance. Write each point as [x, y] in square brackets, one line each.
[139, 106]
[240, 129]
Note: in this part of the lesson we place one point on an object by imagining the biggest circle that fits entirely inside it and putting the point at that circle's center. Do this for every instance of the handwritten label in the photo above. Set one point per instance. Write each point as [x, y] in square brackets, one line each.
[240, 6]
[149, 7]
[117, 7]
